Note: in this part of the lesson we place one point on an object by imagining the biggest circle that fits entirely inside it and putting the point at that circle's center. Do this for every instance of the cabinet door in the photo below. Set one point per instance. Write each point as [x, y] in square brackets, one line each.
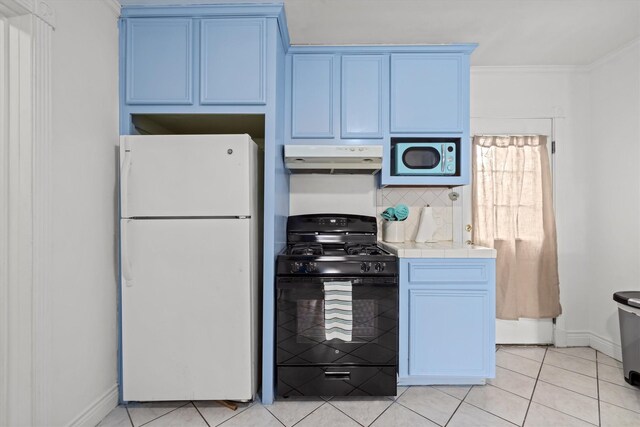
[313, 97]
[158, 61]
[426, 93]
[362, 83]
[232, 64]
[448, 332]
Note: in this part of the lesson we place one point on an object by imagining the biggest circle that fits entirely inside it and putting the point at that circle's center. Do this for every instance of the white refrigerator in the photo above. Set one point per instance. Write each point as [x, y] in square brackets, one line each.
[189, 267]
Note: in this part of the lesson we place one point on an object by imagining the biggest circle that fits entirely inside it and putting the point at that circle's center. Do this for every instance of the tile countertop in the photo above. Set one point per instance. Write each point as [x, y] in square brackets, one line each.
[446, 249]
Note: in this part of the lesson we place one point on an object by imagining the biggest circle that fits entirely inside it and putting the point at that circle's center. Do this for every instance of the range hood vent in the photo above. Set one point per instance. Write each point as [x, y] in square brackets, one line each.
[333, 159]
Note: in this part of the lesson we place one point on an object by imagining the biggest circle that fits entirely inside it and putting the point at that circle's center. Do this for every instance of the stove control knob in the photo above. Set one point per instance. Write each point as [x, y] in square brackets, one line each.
[364, 267]
[311, 267]
[379, 267]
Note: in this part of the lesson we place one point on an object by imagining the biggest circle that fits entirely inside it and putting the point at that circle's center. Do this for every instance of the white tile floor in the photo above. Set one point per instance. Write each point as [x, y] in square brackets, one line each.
[534, 386]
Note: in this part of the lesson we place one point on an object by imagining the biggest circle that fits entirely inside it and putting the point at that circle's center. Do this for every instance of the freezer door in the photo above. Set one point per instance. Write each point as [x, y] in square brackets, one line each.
[187, 310]
[186, 175]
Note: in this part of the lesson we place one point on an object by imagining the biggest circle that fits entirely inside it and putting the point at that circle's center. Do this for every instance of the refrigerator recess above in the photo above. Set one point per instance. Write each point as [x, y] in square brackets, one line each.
[333, 159]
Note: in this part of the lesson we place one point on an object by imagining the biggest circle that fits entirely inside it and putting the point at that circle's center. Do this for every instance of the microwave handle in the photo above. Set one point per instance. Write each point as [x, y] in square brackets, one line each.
[443, 157]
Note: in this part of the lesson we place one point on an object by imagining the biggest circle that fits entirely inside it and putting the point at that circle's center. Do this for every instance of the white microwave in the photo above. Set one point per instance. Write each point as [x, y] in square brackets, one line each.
[425, 156]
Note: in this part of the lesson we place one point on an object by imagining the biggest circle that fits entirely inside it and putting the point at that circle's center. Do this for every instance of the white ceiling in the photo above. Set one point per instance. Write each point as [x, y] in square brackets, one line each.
[509, 32]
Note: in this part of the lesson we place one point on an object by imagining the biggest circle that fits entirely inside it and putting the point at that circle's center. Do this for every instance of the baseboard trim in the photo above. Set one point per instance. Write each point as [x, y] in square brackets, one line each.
[588, 339]
[606, 346]
[99, 409]
[578, 338]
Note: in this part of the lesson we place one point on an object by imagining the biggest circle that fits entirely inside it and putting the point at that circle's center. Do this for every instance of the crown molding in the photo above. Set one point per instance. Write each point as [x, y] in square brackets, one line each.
[625, 48]
[45, 12]
[115, 6]
[551, 69]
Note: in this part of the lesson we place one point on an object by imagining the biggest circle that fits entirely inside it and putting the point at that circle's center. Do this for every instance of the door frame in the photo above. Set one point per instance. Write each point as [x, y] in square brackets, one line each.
[527, 326]
[25, 211]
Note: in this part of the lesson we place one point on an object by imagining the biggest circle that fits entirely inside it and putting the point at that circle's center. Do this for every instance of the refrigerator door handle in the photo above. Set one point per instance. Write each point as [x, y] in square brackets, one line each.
[124, 255]
[124, 181]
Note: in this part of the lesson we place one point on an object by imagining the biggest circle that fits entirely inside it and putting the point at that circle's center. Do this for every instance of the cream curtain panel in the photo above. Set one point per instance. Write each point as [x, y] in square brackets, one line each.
[513, 213]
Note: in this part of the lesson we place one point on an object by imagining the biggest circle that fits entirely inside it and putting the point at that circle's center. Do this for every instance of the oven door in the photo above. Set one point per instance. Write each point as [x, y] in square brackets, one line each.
[302, 328]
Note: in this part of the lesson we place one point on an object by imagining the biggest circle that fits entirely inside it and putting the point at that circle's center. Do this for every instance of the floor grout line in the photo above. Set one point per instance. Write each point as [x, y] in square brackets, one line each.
[385, 410]
[534, 387]
[129, 415]
[621, 407]
[528, 376]
[598, 392]
[300, 420]
[524, 357]
[568, 389]
[569, 370]
[489, 412]
[340, 410]
[174, 409]
[417, 413]
[205, 420]
[563, 413]
[456, 410]
[555, 350]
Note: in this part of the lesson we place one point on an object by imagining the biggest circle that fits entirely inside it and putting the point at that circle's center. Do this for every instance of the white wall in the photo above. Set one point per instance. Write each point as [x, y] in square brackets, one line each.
[560, 92]
[85, 134]
[351, 194]
[613, 203]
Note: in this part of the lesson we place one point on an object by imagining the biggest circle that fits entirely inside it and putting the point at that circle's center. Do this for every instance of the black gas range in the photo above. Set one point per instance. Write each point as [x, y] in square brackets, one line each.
[337, 309]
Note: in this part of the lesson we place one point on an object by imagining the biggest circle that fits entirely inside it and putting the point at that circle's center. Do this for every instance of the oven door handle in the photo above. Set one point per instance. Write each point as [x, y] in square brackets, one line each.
[340, 375]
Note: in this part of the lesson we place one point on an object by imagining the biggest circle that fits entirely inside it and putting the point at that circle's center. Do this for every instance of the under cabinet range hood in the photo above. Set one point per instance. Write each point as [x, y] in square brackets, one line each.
[333, 159]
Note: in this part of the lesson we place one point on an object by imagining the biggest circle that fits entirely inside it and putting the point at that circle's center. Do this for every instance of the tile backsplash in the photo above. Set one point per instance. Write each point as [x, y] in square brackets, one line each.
[416, 198]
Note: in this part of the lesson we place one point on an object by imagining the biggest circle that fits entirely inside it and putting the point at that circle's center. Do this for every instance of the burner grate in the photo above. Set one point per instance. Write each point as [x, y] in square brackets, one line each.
[360, 249]
[306, 249]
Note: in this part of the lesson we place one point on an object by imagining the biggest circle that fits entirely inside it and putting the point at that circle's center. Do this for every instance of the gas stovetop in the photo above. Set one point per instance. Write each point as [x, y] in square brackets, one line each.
[328, 244]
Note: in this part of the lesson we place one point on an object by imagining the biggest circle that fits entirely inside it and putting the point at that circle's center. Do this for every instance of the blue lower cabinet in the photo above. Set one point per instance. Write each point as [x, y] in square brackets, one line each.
[447, 321]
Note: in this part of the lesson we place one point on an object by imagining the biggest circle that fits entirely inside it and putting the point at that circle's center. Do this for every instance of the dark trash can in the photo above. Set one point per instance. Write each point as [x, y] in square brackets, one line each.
[629, 315]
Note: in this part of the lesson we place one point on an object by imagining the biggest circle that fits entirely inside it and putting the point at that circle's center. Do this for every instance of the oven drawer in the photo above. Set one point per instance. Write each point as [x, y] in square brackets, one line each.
[337, 381]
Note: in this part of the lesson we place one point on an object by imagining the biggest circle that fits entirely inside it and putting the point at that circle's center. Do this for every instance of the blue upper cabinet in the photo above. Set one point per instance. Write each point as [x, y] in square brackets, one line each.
[159, 61]
[232, 61]
[363, 95]
[313, 96]
[428, 93]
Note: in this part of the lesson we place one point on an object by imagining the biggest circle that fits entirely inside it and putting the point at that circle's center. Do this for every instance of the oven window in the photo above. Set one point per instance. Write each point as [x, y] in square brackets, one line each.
[310, 317]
